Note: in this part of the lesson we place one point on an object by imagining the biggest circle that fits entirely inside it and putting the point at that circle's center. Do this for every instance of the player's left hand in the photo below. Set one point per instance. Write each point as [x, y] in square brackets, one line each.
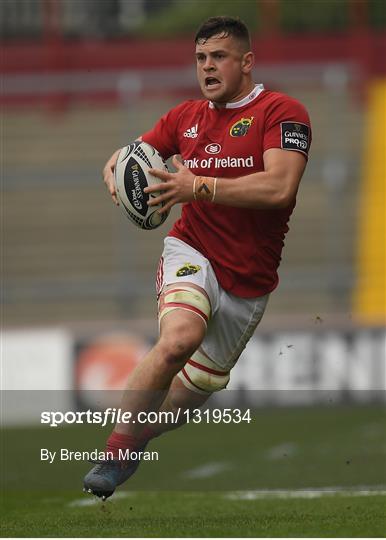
[176, 187]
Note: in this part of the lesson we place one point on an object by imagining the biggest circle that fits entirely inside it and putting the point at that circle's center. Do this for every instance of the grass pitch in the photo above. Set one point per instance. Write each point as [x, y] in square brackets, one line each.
[211, 481]
[192, 514]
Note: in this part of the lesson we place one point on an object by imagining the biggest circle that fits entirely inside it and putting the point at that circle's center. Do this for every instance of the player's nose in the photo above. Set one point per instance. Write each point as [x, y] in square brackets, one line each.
[208, 66]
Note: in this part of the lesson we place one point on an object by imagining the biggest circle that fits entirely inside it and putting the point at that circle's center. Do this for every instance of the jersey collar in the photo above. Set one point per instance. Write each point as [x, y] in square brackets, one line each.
[247, 99]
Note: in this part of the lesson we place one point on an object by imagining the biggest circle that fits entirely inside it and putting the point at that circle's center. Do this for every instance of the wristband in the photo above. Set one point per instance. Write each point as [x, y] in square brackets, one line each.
[204, 188]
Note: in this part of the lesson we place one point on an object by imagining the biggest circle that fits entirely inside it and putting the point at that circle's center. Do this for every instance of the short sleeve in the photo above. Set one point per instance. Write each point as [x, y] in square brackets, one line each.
[163, 135]
[287, 126]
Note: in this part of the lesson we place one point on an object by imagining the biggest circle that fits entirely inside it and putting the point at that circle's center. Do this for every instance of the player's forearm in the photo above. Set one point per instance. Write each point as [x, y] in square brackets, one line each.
[258, 190]
[275, 187]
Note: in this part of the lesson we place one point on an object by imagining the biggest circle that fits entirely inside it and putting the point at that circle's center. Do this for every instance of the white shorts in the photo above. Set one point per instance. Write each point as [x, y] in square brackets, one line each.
[233, 319]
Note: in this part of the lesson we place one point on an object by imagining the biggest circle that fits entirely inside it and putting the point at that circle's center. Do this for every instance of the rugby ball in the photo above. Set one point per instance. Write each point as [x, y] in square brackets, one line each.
[131, 177]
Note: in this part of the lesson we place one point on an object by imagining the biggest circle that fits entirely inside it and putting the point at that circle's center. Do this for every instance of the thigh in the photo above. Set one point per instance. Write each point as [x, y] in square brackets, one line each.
[231, 328]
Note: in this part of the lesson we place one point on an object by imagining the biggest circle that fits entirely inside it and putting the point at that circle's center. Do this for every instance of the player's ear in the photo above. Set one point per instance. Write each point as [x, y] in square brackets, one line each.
[247, 62]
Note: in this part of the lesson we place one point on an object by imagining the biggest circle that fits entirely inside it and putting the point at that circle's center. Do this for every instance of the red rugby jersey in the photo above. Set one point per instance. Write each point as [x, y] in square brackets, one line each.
[243, 244]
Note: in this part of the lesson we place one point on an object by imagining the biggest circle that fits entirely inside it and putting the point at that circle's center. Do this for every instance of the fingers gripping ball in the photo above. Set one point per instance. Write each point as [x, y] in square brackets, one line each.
[203, 376]
[132, 176]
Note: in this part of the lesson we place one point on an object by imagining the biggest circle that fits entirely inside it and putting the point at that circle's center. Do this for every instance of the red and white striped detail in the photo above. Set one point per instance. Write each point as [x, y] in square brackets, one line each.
[202, 375]
[207, 369]
[160, 276]
[183, 305]
[190, 384]
[187, 298]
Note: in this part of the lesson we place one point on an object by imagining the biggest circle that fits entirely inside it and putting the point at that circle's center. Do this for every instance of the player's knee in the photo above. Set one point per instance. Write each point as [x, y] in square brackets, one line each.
[176, 349]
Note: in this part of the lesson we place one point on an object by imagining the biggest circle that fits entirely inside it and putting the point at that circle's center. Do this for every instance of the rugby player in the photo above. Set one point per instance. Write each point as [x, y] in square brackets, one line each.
[243, 152]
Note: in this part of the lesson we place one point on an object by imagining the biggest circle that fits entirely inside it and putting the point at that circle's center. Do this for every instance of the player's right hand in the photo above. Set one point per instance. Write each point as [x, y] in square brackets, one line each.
[108, 176]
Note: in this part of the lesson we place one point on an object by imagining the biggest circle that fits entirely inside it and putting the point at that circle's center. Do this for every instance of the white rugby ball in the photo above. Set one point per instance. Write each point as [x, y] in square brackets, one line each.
[132, 176]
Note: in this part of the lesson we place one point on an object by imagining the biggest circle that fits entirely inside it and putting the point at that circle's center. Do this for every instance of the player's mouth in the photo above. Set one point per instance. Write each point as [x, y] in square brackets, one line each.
[211, 83]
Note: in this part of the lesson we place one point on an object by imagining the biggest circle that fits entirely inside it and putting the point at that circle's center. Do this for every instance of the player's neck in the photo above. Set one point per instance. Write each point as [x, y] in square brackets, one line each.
[246, 95]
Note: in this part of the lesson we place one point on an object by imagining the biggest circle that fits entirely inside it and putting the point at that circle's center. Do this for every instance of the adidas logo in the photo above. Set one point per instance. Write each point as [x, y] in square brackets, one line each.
[192, 132]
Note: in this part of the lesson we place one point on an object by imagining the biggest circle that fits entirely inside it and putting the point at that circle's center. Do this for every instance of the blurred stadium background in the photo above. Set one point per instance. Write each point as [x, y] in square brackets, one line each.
[81, 78]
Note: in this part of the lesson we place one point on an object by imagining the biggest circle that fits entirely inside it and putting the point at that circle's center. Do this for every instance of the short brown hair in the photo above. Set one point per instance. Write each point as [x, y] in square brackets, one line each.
[223, 26]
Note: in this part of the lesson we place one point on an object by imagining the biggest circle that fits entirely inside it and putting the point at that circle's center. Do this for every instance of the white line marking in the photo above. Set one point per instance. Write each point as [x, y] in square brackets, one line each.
[83, 502]
[308, 493]
[282, 451]
[92, 500]
[207, 470]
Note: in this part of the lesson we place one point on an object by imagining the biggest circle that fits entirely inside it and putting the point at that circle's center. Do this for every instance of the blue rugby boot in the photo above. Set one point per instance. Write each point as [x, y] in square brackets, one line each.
[107, 475]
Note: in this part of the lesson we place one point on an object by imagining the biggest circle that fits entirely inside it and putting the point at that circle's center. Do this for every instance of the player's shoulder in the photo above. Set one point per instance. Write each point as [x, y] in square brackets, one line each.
[191, 105]
[275, 101]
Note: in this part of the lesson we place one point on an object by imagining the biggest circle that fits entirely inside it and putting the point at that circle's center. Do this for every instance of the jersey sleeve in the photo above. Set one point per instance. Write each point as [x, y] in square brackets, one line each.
[163, 136]
[288, 126]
